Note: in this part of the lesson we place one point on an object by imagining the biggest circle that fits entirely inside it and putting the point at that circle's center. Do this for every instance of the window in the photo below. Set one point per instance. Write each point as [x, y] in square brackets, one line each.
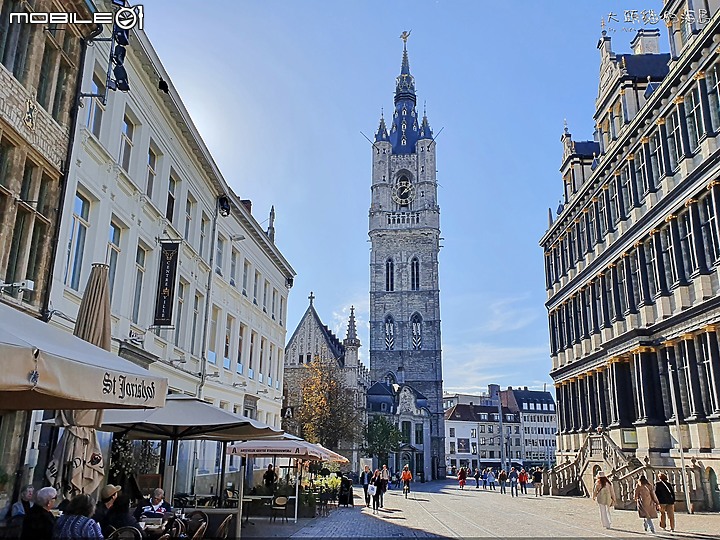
[240, 357]
[491, 428]
[491, 441]
[282, 310]
[601, 217]
[256, 287]
[452, 447]
[693, 116]
[140, 256]
[577, 240]
[591, 227]
[76, 244]
[668, 255]
[151, 171]
[96, 108]
[197, 303]
[212, 343]
[713, 85]
[452, 431]
[266, 287]
[655, 157]
[203, 234]
[419, 434]
[416, 323]
[179, 326]
[708, 221]
[389, 275]
[246, 273]
[113, 253]
[640, 172]
[126, 142]
[251, 356]
[228, 339]
[674, 140]
[47, 68]
[415, 274]
[473, 448]
[53, 89]
[389, 333]
[483, 416]
[271, 355]
[170, 207]
[624, 181]
[233, 267]
[274, 303]
[614, 210]
[633, 281]
[622, 285]
[219, 255]
[261, 362]
[686, 244]
[14, 39]
[189, 209]
[651, 267]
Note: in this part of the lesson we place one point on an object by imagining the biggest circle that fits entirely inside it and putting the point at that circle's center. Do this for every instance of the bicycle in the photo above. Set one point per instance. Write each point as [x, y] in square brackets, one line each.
[406, 488]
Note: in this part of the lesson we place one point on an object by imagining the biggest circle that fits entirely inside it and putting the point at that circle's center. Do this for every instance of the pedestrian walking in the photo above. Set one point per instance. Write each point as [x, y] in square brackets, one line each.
[491, 479]
[365, 478]
[537, 481]
[375, 490]
[647, 503]
[385, 480]
[502, 479]
[513, 477]
[604, 494]
[462, 476]
[477, 478]
[523, 478]
[484, 478]
[665, 493]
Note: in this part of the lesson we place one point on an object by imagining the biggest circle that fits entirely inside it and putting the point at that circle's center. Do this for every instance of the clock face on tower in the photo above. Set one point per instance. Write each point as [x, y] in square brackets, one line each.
[404, 192]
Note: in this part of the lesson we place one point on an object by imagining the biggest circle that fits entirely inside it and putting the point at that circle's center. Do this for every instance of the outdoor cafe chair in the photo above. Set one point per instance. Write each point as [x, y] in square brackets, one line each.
[200, 533]
[176, 528]
[126, 533]
[231, 498]
[224, 529]
[279, 505]
[195, 520]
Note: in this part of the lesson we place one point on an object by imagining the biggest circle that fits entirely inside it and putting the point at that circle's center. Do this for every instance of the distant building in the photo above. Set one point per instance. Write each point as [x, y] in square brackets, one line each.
[538, 424]
[311, 340]
[489, 398]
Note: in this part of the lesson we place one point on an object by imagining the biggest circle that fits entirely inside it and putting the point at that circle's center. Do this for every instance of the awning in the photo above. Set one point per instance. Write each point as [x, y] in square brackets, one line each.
[44, 367]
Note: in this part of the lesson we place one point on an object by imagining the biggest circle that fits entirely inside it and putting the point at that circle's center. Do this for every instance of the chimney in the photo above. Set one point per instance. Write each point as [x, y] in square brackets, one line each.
[247, 203]
[509, 387]
[646, 41]
[525, 388]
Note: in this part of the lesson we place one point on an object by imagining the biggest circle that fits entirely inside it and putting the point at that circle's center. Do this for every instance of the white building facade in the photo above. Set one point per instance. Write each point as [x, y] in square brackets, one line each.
[141, 176]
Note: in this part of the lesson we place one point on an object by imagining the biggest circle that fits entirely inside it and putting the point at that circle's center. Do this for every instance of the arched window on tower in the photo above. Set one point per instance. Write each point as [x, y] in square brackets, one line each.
[389, 333]
[416, 324]
[389, 275]
[415, 274]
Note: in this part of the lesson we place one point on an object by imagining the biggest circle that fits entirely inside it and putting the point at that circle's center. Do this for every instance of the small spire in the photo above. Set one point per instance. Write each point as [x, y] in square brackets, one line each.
[381, 135]
[352, 330]
[271, 225]
[565, 127]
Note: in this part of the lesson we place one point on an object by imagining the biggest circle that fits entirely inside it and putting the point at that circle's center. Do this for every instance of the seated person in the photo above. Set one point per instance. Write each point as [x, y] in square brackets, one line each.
[108, 494]
[155, 506]
[22, 507]
[39, 521]
[118, 515]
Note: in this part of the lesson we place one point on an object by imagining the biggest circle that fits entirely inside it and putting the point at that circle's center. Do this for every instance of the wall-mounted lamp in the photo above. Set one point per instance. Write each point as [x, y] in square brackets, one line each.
[239, 384]
[264, 391]
[237, 237]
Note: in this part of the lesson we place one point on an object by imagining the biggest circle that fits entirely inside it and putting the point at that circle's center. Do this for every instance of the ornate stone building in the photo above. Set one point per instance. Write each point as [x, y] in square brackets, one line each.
[311, 340]
[632, 262]
[405, 346]
[40, 70]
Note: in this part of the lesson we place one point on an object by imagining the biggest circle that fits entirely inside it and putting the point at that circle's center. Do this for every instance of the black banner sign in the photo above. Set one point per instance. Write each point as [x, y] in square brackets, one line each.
[166, 283]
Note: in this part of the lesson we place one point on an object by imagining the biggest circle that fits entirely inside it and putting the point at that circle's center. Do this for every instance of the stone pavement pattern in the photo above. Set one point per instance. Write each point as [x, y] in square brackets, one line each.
[441, 510]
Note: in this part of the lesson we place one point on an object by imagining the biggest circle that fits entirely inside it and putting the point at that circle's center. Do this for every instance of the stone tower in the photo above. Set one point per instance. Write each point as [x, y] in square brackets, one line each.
[405, 234]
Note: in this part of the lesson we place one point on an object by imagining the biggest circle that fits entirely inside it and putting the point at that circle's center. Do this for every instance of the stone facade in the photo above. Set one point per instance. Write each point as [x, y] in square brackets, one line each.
[632, 262]
[405, 346]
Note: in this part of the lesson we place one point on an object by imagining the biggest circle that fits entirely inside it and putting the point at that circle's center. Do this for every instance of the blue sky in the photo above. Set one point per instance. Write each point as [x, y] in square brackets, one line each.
[282, 89]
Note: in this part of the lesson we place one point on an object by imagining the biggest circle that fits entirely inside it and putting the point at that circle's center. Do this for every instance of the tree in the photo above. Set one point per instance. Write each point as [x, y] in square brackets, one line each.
[381, 438]
[328, 412]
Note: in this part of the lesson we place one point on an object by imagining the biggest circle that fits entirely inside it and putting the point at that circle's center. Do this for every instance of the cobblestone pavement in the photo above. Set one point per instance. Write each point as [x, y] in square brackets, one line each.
[441, 510]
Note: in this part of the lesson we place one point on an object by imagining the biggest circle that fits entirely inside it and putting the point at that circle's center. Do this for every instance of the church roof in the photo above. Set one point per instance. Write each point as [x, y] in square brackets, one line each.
[335, 346]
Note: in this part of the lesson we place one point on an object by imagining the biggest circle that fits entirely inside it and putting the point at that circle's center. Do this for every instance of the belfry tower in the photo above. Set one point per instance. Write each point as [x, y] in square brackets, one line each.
[405, 345]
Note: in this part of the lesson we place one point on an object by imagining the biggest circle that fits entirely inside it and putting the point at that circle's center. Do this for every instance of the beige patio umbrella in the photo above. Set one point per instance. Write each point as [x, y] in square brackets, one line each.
[77, 465]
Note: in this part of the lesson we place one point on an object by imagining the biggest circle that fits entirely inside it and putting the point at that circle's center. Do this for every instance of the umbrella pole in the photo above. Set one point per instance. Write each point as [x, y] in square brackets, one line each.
[173, 464]
[238, 519]
[221, 489]
[297, 489]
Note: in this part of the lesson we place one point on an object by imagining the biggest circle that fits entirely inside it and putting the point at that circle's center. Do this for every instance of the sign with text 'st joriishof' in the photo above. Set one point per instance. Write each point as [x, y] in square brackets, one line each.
[166, 283]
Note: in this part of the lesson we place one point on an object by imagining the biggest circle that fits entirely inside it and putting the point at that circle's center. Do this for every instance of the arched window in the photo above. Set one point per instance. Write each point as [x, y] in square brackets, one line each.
[389, 333]
[416, 324]
[389, 275]
[415, 274]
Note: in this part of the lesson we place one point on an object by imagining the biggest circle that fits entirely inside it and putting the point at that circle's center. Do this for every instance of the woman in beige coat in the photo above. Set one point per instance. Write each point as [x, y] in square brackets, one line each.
[647, 503]
[604, 494]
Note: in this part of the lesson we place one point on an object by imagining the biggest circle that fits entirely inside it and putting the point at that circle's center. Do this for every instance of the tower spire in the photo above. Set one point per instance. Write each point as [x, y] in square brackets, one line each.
[351, 340]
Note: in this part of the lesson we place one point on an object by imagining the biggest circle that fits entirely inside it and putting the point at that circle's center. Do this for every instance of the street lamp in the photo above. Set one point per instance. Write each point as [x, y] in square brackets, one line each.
[671, 378]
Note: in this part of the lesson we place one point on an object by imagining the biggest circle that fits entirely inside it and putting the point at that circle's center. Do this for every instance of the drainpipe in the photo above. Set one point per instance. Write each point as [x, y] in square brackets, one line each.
[206, 322]
[73, 113]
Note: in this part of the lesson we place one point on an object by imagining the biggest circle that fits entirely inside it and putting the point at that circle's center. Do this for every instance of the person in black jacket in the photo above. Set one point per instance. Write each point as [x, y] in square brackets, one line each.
[665, 493]
[365, 477]
[39, 521]
[118, 516]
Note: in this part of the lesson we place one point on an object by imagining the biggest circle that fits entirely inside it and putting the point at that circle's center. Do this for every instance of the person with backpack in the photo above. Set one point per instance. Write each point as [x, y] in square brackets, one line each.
[502, 478]
[604, 494]
[665, 493]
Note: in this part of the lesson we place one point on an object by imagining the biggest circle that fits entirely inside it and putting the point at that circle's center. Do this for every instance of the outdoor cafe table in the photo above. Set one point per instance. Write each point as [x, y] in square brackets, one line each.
[253, 498]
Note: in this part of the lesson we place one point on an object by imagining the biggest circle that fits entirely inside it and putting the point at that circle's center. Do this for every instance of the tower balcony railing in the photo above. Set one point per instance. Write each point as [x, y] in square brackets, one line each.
[403, 218]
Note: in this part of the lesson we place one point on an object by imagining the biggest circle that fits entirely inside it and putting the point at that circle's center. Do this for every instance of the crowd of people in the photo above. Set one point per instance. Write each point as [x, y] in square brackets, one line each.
[80, 517]
[517, 479]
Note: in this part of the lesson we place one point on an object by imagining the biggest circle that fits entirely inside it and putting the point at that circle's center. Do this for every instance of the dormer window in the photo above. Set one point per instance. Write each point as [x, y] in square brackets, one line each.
[403, 142]
[404, 111]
